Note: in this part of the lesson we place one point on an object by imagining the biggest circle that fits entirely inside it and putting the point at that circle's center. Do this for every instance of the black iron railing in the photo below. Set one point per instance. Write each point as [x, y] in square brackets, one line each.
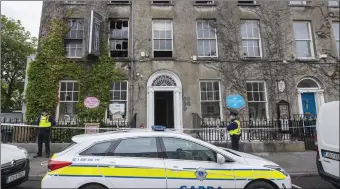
[16, 131]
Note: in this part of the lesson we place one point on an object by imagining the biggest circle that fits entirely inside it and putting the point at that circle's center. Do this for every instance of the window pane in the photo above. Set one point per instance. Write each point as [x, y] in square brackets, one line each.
[210, 86]
[123, 95]
[249, 87]
[217, 96]
[76, 86]
[187, 150]
[210, 109]
[261, 85]
[98, 149]
[124, 85]
[255, 86]
[62, 96]
[257, 110]
[75, 96]
[137, 147]
[116, 95]
[212, 48]
[168, 44]
[200, 47]
[336, 31]
[338, 48]
[262, 96]
[256, 96]
[303, 49]
[301, 30]
[63, 86]
[203, 96]
[250, 96]
[204, 86]
[162, 44]
[210, 95]
[216, 86]
[116, 86]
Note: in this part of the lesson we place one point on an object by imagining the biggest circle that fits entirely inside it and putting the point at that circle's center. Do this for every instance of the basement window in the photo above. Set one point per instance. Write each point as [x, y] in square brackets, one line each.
[204, 2]
[161, 2]
[119, 38]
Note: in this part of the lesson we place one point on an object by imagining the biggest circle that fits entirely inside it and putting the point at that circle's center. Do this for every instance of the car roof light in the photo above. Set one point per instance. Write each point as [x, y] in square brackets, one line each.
[158, 128]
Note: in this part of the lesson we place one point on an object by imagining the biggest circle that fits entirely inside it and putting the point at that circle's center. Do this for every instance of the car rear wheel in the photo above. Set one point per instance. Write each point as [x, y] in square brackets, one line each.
[260, 185]
[93, 186]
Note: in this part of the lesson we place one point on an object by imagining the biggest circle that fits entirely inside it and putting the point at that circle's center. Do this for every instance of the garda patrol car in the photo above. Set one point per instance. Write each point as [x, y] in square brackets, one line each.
[158, 158]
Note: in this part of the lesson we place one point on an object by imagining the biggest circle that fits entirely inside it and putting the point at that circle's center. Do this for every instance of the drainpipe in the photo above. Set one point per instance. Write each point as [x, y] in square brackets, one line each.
[132, 66]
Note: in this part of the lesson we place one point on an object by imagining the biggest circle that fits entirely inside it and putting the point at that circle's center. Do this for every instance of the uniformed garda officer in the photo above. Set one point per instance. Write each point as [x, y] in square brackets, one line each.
[45, 122]
[234, 129]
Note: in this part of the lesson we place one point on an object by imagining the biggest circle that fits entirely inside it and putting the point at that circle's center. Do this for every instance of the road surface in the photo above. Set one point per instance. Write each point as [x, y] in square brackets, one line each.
[299, 182]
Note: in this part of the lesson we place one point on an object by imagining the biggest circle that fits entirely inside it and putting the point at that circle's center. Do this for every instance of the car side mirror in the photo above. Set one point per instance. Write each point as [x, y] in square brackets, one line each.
[220, 159]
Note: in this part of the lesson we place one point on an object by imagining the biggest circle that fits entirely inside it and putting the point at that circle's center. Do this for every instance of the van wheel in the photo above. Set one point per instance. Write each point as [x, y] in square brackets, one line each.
[260, 185]
[93, 186]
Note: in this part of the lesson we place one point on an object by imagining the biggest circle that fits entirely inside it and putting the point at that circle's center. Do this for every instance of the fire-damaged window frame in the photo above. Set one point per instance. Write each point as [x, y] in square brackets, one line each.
[206, 100]
[252, 38]
[76, 43]
[251, 99]
[309, 39]
[158, 52]
[74, 92]
[203, 38]
[114, 53]
[119, 99]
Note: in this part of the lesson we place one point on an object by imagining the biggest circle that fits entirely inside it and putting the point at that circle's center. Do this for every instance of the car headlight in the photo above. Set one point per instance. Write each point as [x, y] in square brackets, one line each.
[24, 150]
[278, 168]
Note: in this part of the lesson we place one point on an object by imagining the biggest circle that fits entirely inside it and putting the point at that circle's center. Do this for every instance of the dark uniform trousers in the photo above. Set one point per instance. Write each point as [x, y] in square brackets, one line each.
[44, 137]
[235, 140]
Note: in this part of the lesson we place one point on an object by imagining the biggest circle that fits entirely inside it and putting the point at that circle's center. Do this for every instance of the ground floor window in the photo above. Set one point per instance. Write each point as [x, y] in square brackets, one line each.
[68, 99]
[117, 110]
[257, 100]
[210, 100]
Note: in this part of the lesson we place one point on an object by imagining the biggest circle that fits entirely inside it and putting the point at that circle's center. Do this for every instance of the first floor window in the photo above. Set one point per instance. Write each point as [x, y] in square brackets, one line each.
[251, 38]
[68, 99]
[303, 39]
[119, 38]
[162, 38]
[257, 101]
[117, 110]
[74, 48]
[206, 39]
[210, 100]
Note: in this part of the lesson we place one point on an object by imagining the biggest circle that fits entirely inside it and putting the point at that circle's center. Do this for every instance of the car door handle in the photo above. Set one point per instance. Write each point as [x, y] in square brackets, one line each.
[176, 168]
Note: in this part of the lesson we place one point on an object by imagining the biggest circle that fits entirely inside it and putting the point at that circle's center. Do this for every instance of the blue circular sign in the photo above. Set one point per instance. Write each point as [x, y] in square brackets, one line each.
[235, 101]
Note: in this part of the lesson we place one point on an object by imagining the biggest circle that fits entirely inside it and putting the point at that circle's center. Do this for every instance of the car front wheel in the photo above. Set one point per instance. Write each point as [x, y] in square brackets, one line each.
[260, 185]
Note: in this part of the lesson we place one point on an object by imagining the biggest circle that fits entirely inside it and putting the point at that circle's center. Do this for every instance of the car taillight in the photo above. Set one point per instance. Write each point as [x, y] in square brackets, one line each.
[316, 142]
[54, 165]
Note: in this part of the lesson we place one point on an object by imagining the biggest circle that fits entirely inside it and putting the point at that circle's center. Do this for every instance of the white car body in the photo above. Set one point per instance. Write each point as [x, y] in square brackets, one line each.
[328, 142]
[14, 165]
[114, 171]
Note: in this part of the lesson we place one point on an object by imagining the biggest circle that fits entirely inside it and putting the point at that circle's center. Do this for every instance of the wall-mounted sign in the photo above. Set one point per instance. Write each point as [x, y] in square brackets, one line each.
[117, 111]
[94, 33]
[91, 102]
[281, 85]
[235, 101]
[91, 128]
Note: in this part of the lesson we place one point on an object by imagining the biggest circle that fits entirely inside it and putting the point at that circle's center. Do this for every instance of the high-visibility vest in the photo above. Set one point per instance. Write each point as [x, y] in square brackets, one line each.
[236, 131]
[44, 122]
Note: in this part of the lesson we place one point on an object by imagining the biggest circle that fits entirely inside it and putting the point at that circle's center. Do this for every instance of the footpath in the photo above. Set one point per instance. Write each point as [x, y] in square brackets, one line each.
[297, 164]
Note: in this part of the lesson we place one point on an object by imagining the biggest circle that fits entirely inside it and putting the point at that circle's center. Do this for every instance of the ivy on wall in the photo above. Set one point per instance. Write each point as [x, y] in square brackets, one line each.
[51, 66]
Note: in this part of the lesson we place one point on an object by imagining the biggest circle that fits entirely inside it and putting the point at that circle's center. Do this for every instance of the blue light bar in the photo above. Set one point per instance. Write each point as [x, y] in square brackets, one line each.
[158, 128]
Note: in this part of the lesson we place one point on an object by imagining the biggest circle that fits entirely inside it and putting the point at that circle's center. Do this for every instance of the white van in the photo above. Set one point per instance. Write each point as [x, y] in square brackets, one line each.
[327, 126]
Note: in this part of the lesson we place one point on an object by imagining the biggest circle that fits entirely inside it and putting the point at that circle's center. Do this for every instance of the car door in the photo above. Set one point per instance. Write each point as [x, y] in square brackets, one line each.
[189, 164]
[135, 163]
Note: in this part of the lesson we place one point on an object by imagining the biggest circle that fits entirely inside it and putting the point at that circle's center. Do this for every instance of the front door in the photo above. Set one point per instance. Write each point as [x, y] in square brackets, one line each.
[164, 108]
[191, 165]
[135, 163]
[308, 104]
